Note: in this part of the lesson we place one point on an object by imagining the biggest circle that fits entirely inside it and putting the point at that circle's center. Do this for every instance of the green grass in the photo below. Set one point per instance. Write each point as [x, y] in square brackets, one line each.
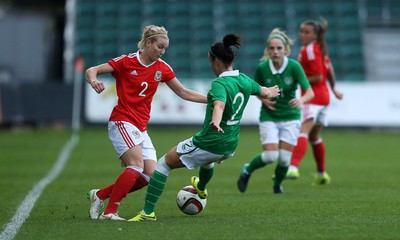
[362, 202]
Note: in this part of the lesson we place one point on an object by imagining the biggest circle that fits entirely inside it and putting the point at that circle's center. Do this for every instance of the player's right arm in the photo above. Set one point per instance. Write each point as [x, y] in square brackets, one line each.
[93, 72]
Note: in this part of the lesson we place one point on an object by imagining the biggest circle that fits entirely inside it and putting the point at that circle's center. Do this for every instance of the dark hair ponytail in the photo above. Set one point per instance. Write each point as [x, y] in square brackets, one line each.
[223, 50]
[232, 40]
[323, 26]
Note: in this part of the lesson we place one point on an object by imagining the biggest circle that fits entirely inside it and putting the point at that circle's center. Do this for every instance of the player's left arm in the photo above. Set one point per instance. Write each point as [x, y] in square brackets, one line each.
[297, 102]
[177, 87]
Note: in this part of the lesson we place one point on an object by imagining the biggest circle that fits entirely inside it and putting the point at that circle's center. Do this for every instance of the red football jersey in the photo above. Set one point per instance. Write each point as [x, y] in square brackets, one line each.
[313, 63]
[136, 85]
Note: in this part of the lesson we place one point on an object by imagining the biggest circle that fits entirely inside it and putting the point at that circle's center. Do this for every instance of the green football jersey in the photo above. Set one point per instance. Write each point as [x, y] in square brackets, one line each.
[234, 89]
[288, 77]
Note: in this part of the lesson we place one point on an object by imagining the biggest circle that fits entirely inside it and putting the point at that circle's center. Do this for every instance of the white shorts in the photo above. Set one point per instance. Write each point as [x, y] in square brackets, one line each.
[193, 157]
[274, 132]
[317, 112]
[124, 136]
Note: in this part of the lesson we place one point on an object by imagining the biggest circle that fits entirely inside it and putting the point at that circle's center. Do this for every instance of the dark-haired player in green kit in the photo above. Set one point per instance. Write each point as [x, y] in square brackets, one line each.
[279, 117]
[218, 139]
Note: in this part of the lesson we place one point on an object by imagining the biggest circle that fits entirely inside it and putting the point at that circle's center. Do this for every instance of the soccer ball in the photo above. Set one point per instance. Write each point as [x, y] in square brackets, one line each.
[189, 202]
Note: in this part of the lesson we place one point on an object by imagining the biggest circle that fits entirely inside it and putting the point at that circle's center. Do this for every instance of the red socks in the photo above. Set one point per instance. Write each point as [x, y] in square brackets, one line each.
[299, 151]
[105, 193]
[140, 183]
[319, 155]
[121, 188]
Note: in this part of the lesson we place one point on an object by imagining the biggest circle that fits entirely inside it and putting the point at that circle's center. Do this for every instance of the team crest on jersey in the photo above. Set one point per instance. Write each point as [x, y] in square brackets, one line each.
[288, 80]
[157, 76]
[269, 81]
[136, 134]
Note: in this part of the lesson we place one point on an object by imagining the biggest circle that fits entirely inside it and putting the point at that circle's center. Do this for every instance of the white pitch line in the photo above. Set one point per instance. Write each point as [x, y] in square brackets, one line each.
[27, 205]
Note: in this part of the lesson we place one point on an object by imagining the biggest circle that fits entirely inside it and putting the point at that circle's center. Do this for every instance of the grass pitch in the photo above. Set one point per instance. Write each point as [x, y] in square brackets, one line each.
[362, 202]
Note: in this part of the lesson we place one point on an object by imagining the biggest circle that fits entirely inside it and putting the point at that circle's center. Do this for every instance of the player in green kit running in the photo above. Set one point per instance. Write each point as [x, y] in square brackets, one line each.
[219, 137]
[279, 117]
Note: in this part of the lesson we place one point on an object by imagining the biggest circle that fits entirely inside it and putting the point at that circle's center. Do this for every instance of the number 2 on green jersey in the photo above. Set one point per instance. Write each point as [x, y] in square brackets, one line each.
[232, 121]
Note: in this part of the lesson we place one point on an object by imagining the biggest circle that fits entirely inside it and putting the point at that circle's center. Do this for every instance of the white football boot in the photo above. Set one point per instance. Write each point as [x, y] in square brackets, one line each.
[95, 204]
[111, 216]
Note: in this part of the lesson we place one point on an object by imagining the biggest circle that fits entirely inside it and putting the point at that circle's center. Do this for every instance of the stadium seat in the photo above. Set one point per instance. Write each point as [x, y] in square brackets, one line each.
[178, 8]
[86, 8]
[106, 28]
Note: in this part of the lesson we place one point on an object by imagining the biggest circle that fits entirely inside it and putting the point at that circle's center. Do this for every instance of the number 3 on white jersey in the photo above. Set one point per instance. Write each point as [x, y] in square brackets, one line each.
[232, 121]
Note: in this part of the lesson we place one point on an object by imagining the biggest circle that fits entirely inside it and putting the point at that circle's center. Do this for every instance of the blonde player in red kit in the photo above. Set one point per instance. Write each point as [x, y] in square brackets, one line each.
[314, 58]
[137, 77]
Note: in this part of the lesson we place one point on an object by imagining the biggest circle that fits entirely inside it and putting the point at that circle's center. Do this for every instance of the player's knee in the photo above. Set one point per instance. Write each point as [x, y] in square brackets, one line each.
[208, 166]
[269, 157]
[162, 166]
[316, 141]
[284, 157]
[303, 135]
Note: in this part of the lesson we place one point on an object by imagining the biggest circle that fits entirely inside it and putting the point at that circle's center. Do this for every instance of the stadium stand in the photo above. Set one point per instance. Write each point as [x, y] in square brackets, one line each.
[108, 29]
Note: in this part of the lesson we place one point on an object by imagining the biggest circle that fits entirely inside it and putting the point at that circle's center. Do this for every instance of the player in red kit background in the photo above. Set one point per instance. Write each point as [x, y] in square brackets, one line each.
[137, 77]
[314, 58]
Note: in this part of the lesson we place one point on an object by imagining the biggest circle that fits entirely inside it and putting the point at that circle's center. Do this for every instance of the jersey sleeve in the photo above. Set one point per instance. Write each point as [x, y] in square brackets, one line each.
[301, 76]
[255, 88]
[327, 62]
[217, 92]
[118, 64]
[168, 73]
[313, 60]
[258, 75]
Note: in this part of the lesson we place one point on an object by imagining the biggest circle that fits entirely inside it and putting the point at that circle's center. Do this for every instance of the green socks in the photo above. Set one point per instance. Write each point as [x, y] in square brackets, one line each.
[280, 174]
[205, 175]
[255, 163]
[154, 191]
[157, 184]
